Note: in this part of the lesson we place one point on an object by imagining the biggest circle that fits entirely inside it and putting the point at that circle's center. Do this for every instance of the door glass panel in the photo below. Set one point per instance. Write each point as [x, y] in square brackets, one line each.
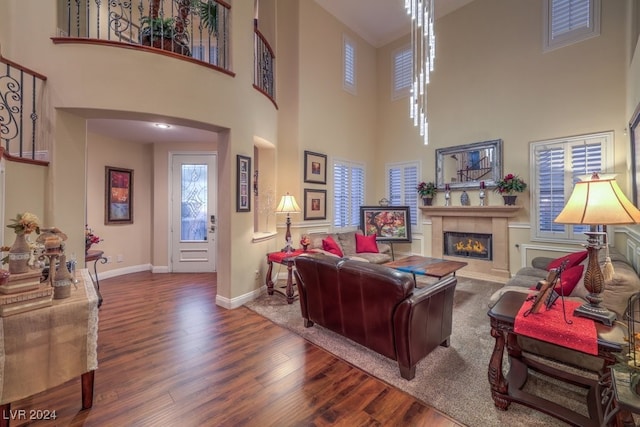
[194, 203]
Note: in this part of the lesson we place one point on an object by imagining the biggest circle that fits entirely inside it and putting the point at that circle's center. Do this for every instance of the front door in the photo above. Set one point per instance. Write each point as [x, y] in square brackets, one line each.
[193, 213]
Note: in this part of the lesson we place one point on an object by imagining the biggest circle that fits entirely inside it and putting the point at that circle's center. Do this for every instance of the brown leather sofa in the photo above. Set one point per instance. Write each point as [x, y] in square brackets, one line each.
[376, 306]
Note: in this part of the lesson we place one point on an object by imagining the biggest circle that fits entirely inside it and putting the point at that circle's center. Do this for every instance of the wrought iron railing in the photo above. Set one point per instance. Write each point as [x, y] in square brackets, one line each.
[263, 78]
[22, 100]
[195, 28]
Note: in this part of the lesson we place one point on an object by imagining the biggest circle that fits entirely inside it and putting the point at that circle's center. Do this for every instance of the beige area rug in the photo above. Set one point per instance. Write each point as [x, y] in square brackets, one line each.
[454, 380]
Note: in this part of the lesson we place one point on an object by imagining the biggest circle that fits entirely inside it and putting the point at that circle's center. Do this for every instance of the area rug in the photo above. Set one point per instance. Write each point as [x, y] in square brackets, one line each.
[453, 380]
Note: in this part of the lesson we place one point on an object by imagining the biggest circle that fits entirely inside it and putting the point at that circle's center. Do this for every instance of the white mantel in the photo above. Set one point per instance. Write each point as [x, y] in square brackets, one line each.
[474, 219]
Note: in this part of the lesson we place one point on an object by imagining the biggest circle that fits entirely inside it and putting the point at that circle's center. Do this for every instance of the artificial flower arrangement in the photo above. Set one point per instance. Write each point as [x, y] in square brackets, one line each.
[305, 241]
[510, 184]
[427, 189]
[90, 238]
[25, 223]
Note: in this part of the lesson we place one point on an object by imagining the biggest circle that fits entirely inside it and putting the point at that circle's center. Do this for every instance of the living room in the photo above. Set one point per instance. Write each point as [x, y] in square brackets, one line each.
[492, 80]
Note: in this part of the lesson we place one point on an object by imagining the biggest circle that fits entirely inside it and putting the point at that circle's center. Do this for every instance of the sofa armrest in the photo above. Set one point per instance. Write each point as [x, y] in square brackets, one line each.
[384, 248]
[422, 322]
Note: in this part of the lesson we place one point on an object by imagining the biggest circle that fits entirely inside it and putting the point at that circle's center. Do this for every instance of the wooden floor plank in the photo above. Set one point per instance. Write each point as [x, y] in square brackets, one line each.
[168, 355]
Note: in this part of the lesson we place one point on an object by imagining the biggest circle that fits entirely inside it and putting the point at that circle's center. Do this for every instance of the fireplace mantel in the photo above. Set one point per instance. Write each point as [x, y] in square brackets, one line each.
[474, 211]
[474, 219]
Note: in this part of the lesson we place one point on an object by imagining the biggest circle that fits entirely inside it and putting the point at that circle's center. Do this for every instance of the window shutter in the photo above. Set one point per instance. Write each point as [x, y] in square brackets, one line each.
[349, 65]
[569, 15]
[341, 194]
[402, 183]
[348, 187]
[401, 73]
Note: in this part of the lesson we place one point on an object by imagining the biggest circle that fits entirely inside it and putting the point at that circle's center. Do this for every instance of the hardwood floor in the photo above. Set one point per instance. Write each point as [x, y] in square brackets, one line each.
[168, 355]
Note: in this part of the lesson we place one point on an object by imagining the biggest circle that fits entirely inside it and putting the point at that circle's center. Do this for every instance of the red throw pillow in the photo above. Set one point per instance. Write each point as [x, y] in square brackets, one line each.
[569, 279]
[366, 244]
[574, 259]
[331, 246]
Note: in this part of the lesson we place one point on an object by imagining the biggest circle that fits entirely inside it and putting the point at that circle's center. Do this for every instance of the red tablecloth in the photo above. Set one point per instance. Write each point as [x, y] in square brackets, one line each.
[550, 326]
[279, 256]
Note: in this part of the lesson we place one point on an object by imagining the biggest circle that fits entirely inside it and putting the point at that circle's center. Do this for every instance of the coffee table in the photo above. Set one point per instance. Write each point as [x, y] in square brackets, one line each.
[426, 266]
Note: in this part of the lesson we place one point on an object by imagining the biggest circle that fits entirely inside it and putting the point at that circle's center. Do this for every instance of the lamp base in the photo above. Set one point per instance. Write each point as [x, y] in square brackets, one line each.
[595, 312]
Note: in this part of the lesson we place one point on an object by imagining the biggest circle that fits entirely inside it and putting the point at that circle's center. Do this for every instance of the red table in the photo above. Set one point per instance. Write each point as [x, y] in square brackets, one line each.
[287, 259]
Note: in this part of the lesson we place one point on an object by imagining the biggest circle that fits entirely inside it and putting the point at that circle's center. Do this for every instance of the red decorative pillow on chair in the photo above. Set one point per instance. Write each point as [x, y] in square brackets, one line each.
[574, 259]
[366, 244]
[331, 246]
[569, 278]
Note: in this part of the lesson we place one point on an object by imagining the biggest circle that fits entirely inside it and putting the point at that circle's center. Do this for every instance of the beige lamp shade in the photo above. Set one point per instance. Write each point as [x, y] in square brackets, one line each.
[596, 201]
[288, 204]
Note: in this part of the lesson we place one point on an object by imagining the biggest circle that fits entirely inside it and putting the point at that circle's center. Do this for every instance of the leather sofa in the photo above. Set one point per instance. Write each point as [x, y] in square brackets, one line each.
[376, 306]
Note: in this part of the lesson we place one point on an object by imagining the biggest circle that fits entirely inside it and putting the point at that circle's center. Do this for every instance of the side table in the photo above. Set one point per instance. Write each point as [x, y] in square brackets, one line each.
[287, 259]
[509, 388]
[96, 256]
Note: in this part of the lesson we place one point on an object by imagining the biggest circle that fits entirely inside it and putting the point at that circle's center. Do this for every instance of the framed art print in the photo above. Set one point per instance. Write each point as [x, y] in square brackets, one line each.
[387, 223]
[315, 167]
[118, 196]
[315, 204]
[635, 154]
[243, 187]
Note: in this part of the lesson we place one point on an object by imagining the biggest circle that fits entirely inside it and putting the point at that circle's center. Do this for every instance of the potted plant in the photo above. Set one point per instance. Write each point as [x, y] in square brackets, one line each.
[427, 190]
[161, 33]
[508, 186]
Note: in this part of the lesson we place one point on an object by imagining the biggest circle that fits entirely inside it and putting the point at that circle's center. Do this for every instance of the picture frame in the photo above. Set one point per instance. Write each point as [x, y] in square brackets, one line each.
[387, 223]
[243, 183]
[634, 132]
[118, 196]
[315, 204]
[315, 167]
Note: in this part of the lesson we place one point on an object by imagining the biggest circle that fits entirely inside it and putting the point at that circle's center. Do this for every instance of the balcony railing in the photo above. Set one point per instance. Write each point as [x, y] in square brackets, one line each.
[263, 62]
[195, 28]
[22, 100]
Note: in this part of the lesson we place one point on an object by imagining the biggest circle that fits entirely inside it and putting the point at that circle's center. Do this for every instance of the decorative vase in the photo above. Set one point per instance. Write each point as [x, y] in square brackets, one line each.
[464, 199]
[62, 280]
[509, 200]
[427, 201]
[304, 247]
[87, 247]
[19, 255]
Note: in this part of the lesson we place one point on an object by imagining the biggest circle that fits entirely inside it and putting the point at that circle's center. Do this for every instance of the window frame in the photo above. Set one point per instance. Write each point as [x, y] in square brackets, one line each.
[406, 198]
[576, 35]
[607, 165]
[351, 87]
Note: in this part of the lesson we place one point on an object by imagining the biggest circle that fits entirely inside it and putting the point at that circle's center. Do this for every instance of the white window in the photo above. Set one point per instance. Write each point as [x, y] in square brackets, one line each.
[401, 75]
[348, 190]
[402, 180]
[557, 165]
[349, 65]
[570, 21]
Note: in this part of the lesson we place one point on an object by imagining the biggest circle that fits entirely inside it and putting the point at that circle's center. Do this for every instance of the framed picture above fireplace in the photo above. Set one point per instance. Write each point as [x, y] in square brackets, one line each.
[387, 223]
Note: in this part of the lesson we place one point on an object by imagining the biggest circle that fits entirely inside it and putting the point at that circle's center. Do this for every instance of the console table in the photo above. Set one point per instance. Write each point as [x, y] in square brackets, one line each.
[507, 389]
[48, 346]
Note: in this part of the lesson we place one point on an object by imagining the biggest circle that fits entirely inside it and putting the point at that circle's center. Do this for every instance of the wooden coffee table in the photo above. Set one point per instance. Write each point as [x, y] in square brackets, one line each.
[425, 266]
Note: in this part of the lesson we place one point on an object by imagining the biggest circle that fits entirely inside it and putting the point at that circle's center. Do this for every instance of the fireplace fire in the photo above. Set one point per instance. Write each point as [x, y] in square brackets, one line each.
[468, 245]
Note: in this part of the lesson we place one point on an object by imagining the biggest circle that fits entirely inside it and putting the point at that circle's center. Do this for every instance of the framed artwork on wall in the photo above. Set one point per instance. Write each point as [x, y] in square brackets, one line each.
[243, 188]
[315, 167]
[118, 196]
[315, 204]
[634, 132]
[387, 223]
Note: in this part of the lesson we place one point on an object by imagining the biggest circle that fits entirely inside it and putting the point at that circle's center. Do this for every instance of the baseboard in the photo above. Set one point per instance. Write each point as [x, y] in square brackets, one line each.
[239, 301]
[121, 271]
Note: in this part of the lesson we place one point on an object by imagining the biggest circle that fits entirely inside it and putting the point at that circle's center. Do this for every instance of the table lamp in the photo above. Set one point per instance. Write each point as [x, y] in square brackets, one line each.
[597, 201]
[288, 205]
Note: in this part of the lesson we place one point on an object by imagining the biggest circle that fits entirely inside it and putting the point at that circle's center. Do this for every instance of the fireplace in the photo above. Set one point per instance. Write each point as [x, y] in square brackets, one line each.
[468, 245]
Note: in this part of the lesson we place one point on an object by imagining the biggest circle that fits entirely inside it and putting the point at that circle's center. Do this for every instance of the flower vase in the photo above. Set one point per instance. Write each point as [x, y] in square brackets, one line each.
[62, 280]
[305, 247]
[19, 255]
[427, 201]
[509, 200]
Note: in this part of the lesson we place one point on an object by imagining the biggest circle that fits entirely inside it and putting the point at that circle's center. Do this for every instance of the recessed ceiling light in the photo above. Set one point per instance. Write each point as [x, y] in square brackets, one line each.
[163, 125]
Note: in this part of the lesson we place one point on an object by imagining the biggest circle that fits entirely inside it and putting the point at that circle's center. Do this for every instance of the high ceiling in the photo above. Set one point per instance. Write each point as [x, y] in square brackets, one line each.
[381, 21]
[377, 21]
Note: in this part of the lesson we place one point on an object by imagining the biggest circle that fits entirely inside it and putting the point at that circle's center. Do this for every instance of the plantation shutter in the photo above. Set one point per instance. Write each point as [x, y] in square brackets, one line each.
[401, 73]
[348, 187]
[402, 183]
[349, 65]
[559, 165]
[569, 15]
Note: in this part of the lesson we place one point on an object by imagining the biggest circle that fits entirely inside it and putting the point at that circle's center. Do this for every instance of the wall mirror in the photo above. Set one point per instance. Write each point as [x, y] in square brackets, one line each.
[465, 166]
